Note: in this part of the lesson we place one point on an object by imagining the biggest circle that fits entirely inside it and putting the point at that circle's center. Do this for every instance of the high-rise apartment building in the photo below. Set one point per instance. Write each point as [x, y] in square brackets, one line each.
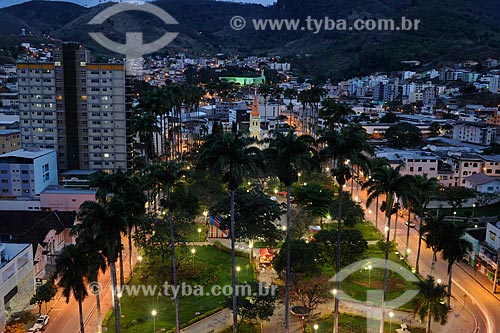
[75, 107]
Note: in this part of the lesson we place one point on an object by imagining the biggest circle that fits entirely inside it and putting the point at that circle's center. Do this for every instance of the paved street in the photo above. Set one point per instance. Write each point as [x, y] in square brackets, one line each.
[64, 318]
[478, 300]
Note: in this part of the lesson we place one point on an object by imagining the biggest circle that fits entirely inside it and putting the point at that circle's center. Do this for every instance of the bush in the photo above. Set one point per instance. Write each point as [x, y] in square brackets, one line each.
[195, 273]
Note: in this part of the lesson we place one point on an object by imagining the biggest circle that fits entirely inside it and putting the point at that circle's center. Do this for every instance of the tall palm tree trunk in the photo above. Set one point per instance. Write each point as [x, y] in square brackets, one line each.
[395, 225]
[287, 278]
[129, 236]
[337, 266]
[98, 306]
[80, 310]
[116, 305]
[386, 268]
[429, 319]
[434, 260]
[376, 214]
[122, 277]
[408, 234]
[450, 277]
[174, 270]
[419, 239]
[233, 271]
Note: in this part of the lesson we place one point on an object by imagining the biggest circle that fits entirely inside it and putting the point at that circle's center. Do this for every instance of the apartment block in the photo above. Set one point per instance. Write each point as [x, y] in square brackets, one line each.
[75, 107]
[478, 133]
[9, 140]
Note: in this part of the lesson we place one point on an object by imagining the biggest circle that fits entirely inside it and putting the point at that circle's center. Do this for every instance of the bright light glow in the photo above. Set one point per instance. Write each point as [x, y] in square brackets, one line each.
[334, 291]
[275, 191]
[153, 313]
[391, 314]
[328, 216]
[439, 281]
[370, 211]
[316, 326]
[386, 229]
[299, 174]
[139, 258]
[238, 268]
[199, 229]
[119, 295]
[454, 213]
[369, 267]
[408, 251]
[205, 213]
[193, 251]
[283, 228]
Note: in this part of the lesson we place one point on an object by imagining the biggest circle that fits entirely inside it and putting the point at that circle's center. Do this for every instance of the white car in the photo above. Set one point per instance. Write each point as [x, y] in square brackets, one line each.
[41, 322]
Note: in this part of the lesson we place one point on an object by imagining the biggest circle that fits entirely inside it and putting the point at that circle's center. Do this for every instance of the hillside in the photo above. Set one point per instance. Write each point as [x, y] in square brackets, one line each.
[451, 30]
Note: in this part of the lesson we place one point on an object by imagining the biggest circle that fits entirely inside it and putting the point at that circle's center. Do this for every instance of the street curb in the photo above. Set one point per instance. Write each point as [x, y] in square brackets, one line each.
[478, 282]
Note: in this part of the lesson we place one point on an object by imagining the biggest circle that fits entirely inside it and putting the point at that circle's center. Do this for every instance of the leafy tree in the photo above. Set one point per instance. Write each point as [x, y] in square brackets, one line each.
[403, 135]
[311, 291]
[455, 196]
[484, 199]
[301, 220]
[430, 302]
[302, 256]
[434, 128]
[352, 212]
[435, 233]
[255, 214]
[285, 157]
[314, 198]
[334, 113]
[258, 305]
[352, 248]
[388, 118]
[44, 294]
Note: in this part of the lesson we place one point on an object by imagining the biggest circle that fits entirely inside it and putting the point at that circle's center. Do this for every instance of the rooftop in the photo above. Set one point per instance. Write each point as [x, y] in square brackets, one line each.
[480, 179]
[9, 131]
[30, 154]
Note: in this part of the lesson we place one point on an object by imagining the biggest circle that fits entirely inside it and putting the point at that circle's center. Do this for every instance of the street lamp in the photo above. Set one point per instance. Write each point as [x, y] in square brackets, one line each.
[119, 295]
[193, 251]
[473, 207]
[315, 328]
[408, 251]
[391, 314]
[205, 213]
[199, 234]
[369, 274]
[139, 258]
[153, 313]
[439, 281]
[238, 269]
[250, 251]
[454, 216]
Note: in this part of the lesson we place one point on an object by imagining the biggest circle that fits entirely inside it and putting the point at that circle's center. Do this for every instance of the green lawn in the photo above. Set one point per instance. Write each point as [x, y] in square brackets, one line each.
[350, 324]
[490, 210]
[369, 232]
[136, 310]
[194, 236]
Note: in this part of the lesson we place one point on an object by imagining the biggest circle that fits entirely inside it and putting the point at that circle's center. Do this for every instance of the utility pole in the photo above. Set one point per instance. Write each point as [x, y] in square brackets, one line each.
[496, 274]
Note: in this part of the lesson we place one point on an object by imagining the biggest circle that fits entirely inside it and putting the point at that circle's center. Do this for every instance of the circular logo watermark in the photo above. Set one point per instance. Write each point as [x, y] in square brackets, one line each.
[134, 47]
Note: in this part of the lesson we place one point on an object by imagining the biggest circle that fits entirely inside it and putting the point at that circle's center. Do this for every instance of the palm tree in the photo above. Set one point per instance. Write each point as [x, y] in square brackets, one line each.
[232, 156]
[169, 175]
[409, 201]
[434, 231]
[71, 270]
[351, 143]
[285, 157]
[454, 248]
[91, 251]
[430, 302]
[145, 123]
[105, 223]
[334, 113]
[388, 181]
[423, 187]
[376, 163]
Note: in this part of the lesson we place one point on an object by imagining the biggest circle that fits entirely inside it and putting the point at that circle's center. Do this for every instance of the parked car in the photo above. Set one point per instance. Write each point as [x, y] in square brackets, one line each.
[41, 322]
[412, 224]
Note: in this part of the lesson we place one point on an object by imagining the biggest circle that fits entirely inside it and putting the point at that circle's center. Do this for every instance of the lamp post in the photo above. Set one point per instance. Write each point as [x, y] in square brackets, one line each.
[199, 234]
[153, 313]
[315, 328]
[119, 295]
[250, 251]
[454, 216]
[473, 208]
[369, 274]
[193, 251]
[205, 213]
[238, 269]
[391, 314]
[334, 293]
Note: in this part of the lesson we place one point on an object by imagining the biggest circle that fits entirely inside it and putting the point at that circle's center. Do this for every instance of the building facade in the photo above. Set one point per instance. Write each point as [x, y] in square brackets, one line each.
[25, 173]
[9, 140]
[75, 107]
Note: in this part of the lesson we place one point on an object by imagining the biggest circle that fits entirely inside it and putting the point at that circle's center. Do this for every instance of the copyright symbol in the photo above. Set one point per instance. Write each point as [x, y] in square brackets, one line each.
[95, 288]
[237, 23]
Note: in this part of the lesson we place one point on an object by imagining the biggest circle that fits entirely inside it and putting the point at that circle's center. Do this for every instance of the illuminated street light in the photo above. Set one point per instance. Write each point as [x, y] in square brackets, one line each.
[391, 314]
[193, 251]
[199, 234]
[315, 328]
[238, 269]
[153, 313]
[369, 267]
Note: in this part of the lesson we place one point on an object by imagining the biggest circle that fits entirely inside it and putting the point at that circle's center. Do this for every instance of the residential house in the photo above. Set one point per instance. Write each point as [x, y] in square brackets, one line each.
[483, 183]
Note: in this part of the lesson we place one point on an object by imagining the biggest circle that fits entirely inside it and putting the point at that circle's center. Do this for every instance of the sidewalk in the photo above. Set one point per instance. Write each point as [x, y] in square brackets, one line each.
[482, 280]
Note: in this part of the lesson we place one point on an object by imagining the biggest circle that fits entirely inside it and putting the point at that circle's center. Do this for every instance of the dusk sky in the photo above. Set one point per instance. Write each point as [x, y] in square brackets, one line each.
[6, 3]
